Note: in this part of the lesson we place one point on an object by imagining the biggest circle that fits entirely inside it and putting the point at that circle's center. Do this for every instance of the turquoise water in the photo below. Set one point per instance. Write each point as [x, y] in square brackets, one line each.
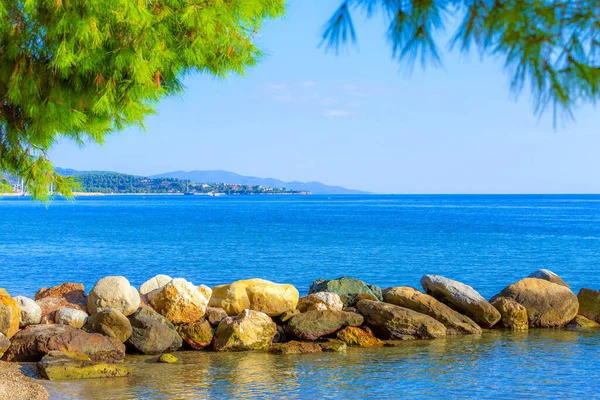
[485, 241]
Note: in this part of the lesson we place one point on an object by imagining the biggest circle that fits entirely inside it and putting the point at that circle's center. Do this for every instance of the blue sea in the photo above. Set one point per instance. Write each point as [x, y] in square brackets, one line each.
[487, 242]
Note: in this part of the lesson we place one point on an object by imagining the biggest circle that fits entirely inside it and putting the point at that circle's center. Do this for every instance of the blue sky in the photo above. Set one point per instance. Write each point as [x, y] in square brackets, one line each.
[357, 120]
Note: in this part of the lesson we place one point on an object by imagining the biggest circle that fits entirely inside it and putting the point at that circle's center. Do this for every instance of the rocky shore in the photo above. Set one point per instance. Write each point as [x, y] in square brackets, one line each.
[72, 334]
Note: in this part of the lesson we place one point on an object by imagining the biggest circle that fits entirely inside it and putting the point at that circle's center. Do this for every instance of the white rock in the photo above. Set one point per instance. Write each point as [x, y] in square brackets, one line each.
[180, 301]
[321, 301]
[114, 292]
[72, 317]
[154, 283]
[31, 312]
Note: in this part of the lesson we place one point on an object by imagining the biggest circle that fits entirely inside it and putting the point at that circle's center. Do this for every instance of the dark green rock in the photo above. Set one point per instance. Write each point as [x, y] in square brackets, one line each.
[197, 334]
[152, 333]
[350, 290]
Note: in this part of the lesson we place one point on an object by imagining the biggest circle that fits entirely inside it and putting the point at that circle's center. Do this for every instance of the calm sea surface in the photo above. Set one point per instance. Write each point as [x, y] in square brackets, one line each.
[487, 242]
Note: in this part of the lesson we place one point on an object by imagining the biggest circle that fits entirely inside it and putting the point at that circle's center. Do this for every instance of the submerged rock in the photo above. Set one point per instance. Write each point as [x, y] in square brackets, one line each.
[350, 290]
[34, 342]
[250, 330]
[255, 294]
[514, 315]
[60, 366]
[31, 312]
[180, 301]
[354, 336]
[589, 304]
[320, 301]
[333, 345]
[295, 347]
[152, 333]
[312, 325]
[214, 315]
[415, 300]
[548, 305]
[582, 322]
[461, 298]
[113, 292]
[167, 358]
[394, 322]
[10, 314]
[549, 276]
[110, 322]
[70, 316]
[197, 334]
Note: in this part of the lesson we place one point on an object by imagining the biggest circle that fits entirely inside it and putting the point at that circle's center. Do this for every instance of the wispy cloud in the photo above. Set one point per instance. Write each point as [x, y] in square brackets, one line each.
[337, 113]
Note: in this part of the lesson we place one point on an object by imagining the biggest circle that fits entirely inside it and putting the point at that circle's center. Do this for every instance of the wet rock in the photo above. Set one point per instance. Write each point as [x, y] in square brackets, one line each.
[113, 292]
[152, 333]
[154, 283]
[312, 325]
[589, 304]
[167, 358]
[393, 322]
[415, 300]
[60, 366]
[10, 314]
[250, 330]
[4, 344]
[197, 334]
[31, 312]
[514, 315]
[350, 290]
[50, 306]
[73, 293]
[110, 322]
[461, 298]
[320, 301]
[35, 341]
[581, 322]
[333, 345]
[548, 305]
[295, 347]
[71, 317]
[255, 294]
[214, 315]
[354, 336]
[180, 301]
[548, 276]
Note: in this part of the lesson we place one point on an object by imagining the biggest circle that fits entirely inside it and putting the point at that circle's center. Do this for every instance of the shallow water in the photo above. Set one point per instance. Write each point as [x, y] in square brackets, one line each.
[542, 363]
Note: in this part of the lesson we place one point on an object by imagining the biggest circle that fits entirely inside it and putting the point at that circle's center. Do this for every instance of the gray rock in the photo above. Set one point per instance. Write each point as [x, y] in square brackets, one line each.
[71, 317]
[113, 292]
[152, 333]
[214, 315]
[461, 298]
[31, 312]
[314, 324]
[549, 276]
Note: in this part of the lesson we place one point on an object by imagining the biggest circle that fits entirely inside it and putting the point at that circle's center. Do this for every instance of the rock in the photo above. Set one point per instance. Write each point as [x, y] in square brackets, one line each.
[589, 304]
[312, 325]
[549, 276]
[154, 283]
[180, 301]
[461, 298]
[295, 347]
[333, 345]
[320, 301]
[113, 292]
[393, 322]
[50, 305]
[197, 334]
[250, 330]
[286, 316]
[73, 293]
[548, 305]
[15, 385]
[415, 300]
[110, 322]
[280, 337]
[4, 344]
[35, 341]
[167, 358]
[582, 322]
[214, 315]
[152, 333]
[354, 336]
[255, 294]
[31, 312]
[72, 317]
[59, 366]
[10, 314]
[350, 290]
[514, 315]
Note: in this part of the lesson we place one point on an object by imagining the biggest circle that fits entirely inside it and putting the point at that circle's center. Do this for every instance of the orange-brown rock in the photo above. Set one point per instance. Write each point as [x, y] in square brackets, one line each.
[73, 292]
[354, 336]
[50, 305]
[10, 314]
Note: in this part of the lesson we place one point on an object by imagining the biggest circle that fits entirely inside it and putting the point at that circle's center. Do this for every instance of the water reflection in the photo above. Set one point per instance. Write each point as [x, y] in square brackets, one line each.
[546, 363]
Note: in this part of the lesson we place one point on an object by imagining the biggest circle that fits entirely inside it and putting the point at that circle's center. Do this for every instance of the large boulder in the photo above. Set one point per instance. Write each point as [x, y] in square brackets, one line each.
[255, 294]
[110, 322]
[152, 333]
[549, 276]
[61, 366]
[320, 301]
[31, 312]
[4, 344]
[180, 301]
[514, 315]
[197, 334]
[250, 330]
[35, 341]
[413, 299]
[113, 292]
[154, 283]
[398, 323]
[10, 314]
[354, 336]
[461, 298]
[548, 305]
[589, 304]
[350, 290]
[73, 293]
[312, 325]
[72, 317]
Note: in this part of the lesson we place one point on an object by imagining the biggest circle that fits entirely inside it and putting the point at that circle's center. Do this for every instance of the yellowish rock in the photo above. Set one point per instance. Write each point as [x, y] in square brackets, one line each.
[255, 294]
[180, 301]
[10, 314]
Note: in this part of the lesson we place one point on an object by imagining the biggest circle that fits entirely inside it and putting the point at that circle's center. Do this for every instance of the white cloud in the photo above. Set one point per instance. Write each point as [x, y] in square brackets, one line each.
[336, 113]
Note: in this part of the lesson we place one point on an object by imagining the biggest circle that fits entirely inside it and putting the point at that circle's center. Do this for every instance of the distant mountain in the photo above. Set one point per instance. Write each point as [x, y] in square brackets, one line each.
[232, 178]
